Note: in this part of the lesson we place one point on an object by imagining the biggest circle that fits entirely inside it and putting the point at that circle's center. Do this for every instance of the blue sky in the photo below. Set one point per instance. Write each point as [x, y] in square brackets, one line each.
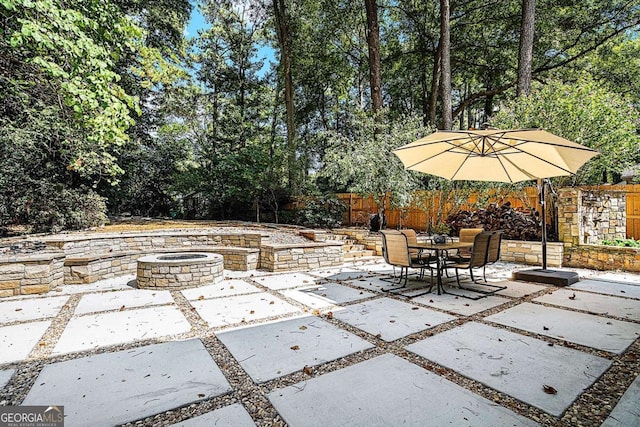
[197, 22]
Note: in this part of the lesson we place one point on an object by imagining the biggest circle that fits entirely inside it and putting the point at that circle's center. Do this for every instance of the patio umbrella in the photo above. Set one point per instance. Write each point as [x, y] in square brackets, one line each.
[499, 156]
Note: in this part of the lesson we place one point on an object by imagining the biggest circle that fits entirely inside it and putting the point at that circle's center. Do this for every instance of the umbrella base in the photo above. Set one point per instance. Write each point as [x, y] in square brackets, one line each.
[549, 277]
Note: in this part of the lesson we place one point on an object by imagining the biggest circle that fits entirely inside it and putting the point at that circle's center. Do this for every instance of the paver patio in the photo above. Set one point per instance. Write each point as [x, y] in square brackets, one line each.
[274, 324]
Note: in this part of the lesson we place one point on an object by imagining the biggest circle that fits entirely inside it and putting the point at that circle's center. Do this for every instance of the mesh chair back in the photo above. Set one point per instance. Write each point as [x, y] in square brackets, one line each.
[397, 249]
[479, 250]
[494, 247]
[467, 235]
[412, 239]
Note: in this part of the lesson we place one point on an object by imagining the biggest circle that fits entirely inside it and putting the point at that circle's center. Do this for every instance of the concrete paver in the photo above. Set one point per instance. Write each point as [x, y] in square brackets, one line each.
[286, 280]
[514, 364]
[460, 305]
[386, 391]
[627, 411]
[230, 416]
[241, 308]
[104, 329]
[593, 303]
[5, 376]
[31, 309]
[518, 289]
[276, 349]
[629, 290]
[17, 341]
[226, 288]
[115, 388]
[340, 274]
[340, 294]
[585, 329]
[108, 301]
[391, 319]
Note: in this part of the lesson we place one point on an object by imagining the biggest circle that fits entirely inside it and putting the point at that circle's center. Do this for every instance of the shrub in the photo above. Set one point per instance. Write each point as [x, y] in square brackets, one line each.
[320, 212]
[52, 208]
[628, 243]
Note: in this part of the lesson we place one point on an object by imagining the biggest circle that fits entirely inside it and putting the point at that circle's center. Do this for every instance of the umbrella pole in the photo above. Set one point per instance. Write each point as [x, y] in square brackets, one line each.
[552, 277]
[541, 185]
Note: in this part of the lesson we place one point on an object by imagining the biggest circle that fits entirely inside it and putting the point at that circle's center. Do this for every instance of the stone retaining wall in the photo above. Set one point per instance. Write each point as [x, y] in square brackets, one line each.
[600, 257]
[148, 241]
[282, 257]
[530, 253]
[30, 274]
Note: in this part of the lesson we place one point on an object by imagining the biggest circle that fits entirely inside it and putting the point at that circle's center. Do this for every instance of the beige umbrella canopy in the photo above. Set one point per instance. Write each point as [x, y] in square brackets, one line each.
[500, 156]
[494, 155]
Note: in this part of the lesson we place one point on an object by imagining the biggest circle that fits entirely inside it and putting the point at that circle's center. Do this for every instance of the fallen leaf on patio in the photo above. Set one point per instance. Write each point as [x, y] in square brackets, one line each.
[122, 308]
[549, 390]
[324, 295]
[378, 335]
[415, 308]
[200, 395]
[573, 296]
[307, 370]
[252, 312]
[305, 281]
[466, 305]
[544, 328]
[500, 339]
[303, 328]
[609, 323]
[295, 347]
[431, 301]
[550, 344]
[42, 344]
[316, 312]
[623, 292]
[456, 298]
[272, 302]
[392, 321]
[330, 315]
[193, 308]
[201, 297]
[18, 309]
[231, 287]
[361, 292]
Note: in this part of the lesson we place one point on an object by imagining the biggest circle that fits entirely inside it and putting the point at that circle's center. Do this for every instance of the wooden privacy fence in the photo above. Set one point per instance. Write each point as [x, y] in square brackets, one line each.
[633, 211]
[435, 206]
[431, 207]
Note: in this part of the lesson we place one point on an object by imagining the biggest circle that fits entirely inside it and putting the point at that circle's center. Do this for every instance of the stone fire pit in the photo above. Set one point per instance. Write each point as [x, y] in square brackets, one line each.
[179, 270]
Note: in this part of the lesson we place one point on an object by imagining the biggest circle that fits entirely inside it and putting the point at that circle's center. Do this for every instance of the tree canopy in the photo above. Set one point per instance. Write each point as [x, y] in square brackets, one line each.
[107, 107]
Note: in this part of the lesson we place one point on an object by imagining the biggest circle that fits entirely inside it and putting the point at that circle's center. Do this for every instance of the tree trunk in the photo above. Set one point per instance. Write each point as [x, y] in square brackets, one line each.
[435, 84]
[373, 41]
[445, 81]
[282, 30]
[525, 56]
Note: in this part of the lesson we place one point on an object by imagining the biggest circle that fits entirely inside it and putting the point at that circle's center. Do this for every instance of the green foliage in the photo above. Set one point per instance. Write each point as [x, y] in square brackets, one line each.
[586, 112]
[320, 212]
[359, 159]
[626, 243]
[53, 208]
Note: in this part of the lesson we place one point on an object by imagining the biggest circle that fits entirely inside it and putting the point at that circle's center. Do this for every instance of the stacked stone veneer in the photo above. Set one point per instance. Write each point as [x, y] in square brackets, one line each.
[284, 257]
[586, 218]
[30, 274]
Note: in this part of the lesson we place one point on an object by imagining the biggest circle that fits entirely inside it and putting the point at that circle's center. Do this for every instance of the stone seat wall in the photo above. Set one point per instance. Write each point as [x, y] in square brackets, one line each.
[89, 269]
[31, 274]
